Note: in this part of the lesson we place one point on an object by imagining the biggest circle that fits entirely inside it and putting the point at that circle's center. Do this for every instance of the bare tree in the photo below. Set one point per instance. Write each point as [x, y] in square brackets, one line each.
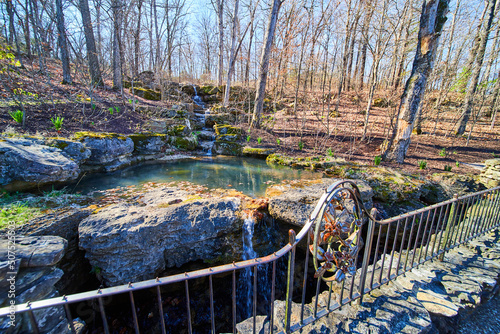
[63, 45]
[432, 20]
[264, 64]
[94, 69]
[476, 69]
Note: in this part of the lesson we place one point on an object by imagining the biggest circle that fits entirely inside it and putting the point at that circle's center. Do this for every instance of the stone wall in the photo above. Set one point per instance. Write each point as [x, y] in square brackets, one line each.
[490, 175]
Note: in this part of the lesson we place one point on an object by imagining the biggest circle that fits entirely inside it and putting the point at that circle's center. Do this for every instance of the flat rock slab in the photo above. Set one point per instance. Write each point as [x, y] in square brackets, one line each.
[164, 227]
[437, 304]
[40, 251]
[293, 202]
[25, 164]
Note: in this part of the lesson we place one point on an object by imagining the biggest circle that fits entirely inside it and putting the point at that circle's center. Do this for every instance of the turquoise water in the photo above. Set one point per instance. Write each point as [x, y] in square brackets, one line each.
[248, 175]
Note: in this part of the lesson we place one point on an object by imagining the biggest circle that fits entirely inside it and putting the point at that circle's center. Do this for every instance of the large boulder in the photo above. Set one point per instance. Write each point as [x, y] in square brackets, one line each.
[133, 241]
[109, 151]
[149, 143]
[294, 201]
[25, 164]
[458, 184]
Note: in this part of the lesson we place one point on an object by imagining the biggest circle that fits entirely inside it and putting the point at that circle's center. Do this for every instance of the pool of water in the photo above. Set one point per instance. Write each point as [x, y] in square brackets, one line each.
[248, 175]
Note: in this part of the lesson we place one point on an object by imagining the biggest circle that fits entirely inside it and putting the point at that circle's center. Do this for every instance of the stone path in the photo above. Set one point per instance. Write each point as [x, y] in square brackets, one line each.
[436, 297]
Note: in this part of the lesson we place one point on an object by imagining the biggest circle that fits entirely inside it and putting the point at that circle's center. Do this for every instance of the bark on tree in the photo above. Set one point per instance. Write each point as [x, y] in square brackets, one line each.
[63, 45]
[219, 8]
[264, 64]
[116, 7]
[94, 69]
[232, 55]
[476, 69]
[432, 20]
[137, 39]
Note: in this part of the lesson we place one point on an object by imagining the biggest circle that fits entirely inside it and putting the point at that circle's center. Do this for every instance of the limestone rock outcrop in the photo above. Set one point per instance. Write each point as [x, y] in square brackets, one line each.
[35, 276]
[490, 175]
[294, 201]
[109, 150]
[25, 164]
[167, 227]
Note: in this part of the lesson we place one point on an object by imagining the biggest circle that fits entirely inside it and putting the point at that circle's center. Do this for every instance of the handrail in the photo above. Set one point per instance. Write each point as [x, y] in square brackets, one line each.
[457, 220]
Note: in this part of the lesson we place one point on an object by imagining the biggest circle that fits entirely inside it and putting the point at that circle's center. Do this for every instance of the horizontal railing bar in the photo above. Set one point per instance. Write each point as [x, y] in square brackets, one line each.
[78, 297]
[328, 195]
[434, 206]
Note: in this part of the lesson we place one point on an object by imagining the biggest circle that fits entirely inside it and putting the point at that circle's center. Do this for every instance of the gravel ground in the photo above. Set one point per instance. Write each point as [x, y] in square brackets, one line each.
[484, 320]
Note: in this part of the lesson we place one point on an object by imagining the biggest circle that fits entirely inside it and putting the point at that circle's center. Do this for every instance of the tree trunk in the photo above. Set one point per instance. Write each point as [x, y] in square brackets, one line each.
[137, 39]
[95, 71]
[27, 37]
[432, 21]
[220, 15]
[62, 40]
[116, 6]
[264, 64]
[476, 69]
[232, 55]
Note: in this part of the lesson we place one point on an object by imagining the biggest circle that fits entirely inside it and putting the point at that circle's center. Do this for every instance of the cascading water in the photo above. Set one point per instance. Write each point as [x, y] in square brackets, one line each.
[197, 99]
[247, 275]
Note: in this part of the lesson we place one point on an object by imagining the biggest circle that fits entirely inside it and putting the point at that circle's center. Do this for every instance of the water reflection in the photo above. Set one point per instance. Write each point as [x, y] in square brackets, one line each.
[248, 175]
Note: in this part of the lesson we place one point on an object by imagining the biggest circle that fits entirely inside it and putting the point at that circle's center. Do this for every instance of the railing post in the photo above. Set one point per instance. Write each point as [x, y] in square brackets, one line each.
[289, 284]
[449, 226]
[366, 256]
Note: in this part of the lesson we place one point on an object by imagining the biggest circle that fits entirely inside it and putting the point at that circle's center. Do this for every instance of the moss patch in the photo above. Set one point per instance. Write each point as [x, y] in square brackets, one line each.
[185, 143]
[97, 135]
[147, 94]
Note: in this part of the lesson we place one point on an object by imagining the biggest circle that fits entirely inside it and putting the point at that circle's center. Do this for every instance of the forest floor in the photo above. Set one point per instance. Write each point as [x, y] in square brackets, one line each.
[112, 112]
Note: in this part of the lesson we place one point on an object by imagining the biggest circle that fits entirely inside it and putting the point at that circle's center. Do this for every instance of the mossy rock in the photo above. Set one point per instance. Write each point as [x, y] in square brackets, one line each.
[257, 152]
[224, 129]
[185, 143]
[97, 135]
[178, 130]
[128, 84]
[147, 94]
[229, 137]
[208, 90]
[149, 143]
[227, 148]
[212, 119]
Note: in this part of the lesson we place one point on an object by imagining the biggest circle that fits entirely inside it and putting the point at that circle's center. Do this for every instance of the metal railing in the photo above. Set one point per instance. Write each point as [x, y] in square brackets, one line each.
[392, 247]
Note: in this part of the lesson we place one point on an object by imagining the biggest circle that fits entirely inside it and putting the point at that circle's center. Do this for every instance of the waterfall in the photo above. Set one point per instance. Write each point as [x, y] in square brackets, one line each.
[247, 274]
[196, 99]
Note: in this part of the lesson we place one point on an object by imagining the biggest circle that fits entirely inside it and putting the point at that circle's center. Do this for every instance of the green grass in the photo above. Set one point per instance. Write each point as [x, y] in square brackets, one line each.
[20, 208]
[18, 212]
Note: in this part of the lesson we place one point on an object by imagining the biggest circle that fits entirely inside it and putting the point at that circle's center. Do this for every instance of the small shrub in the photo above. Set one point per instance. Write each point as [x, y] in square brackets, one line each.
[301, 145]
[377, 160]
[17, 116]
[57, 122]
[111, 110]
[422, 164]
[329, 152]
[447, 168]
[259, 140]
[457, 163]
[278, 141]
[442, 152]
[248, 138]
